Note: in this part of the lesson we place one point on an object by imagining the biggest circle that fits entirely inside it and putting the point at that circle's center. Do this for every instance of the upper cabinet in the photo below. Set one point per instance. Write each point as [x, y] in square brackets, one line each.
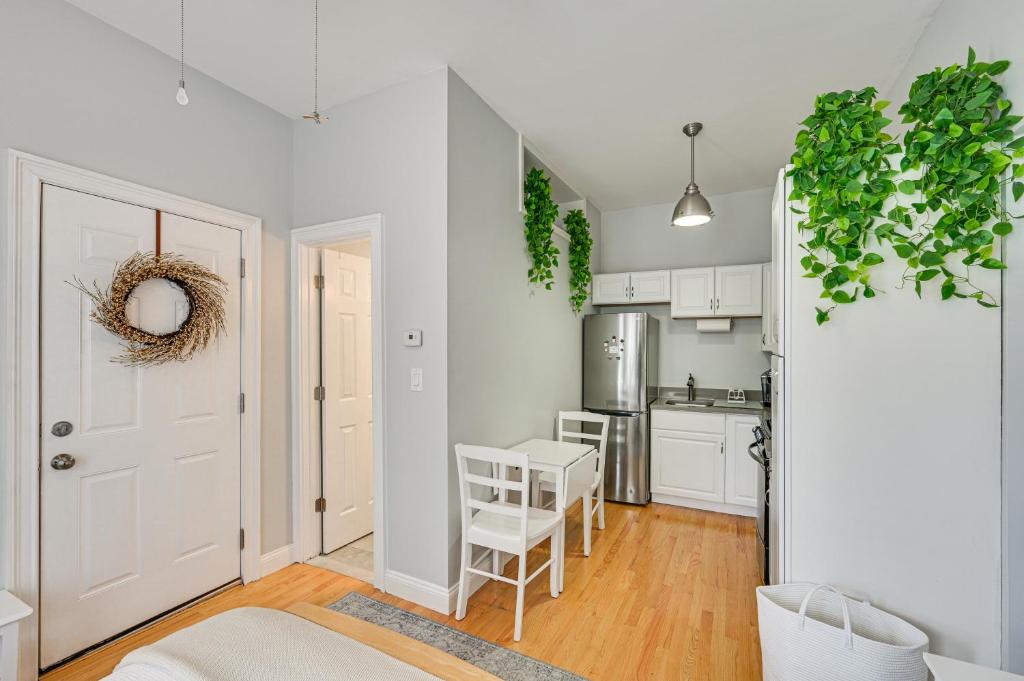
[631, 287]
[733, 291]
[693, 292]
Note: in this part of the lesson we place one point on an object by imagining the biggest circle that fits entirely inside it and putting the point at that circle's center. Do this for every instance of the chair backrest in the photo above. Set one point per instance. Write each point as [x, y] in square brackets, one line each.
[598, 439]
[496, 463]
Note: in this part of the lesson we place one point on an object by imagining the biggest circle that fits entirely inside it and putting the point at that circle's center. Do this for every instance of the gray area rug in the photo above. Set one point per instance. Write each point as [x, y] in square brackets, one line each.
[502, 662]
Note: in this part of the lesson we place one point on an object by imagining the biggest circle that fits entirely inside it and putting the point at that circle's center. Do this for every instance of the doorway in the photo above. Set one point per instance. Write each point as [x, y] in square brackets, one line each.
[337, 343]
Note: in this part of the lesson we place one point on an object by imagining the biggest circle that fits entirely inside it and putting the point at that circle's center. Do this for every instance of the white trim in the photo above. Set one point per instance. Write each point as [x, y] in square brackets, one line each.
[20, 356]
[418, 591]
[701, 505]
[305, 465]
[275, 560]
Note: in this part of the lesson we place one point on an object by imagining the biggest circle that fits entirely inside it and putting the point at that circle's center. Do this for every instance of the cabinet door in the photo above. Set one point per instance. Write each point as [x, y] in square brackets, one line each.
[693, 292]
[738, 291]
[685, 464]
[781, 223]
[767, 332]
[611, 289]
[649, 287]
[740, 470]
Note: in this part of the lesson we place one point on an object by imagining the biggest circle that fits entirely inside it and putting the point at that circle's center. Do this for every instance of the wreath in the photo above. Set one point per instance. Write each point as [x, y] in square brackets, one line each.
[203, 289]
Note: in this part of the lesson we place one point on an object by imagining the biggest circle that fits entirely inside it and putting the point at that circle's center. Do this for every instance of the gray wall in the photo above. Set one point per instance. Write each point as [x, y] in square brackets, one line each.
[385, 153]
[637, 239]
[993, 29]
[514, 350]
[76, 90]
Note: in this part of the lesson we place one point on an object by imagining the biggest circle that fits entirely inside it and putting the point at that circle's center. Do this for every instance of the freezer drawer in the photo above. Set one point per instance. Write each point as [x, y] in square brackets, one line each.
[627, 466]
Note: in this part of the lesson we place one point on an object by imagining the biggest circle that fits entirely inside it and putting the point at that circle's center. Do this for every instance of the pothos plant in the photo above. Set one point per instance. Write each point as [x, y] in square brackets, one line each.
[539, 214]
[580, 245]
[961, 147]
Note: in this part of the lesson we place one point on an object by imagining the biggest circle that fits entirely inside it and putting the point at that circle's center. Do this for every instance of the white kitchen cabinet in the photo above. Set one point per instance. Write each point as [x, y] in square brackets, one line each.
[693, 292]
[741, 472]
[738, 291]
[688, 464]
[632, 287]
[649, 287]
[767, 318]
[611, 289]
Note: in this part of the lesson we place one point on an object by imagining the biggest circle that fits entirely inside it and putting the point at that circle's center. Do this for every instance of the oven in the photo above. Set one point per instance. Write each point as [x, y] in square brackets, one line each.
[760, 452]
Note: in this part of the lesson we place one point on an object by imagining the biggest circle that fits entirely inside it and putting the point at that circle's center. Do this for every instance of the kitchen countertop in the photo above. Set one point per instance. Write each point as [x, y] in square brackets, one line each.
[721, 406]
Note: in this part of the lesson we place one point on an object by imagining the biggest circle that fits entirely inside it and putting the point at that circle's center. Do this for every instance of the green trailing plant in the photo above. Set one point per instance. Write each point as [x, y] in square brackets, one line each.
[539, 214]
[580, 245]
[842, 173]
[963, 144]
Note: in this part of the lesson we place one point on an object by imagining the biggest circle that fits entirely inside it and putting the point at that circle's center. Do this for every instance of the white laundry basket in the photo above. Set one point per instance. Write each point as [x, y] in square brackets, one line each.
[812, 632]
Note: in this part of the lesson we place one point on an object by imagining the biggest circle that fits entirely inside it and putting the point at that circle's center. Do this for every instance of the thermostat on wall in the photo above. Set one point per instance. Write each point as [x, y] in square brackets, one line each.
[413, 338]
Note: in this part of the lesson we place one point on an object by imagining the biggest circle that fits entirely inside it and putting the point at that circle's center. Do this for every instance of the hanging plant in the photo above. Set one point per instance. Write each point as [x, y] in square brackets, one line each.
[539, 214]
[580, 245]
[963, 143]
[841, 171]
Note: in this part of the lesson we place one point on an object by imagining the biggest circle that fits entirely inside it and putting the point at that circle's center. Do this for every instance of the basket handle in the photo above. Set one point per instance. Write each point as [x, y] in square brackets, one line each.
[847, 627]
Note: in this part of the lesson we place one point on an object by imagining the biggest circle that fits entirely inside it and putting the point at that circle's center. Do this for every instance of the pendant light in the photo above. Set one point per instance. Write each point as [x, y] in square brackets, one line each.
[316, 116]
[182, 96]
[693, 209]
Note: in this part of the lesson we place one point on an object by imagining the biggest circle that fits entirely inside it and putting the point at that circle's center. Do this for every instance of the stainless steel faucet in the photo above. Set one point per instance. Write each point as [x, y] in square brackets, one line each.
[691, 391]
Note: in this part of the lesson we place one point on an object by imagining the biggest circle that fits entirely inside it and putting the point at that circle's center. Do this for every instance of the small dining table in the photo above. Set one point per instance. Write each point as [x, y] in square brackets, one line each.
[555, 457]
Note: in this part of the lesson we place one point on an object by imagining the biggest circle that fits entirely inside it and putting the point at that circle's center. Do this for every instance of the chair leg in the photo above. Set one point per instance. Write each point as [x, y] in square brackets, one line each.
[600, 509]
[495, 562]
[460, 608]
[587, 521]
[535, 491]
[561, 557]
[553, 568]
[520, 592]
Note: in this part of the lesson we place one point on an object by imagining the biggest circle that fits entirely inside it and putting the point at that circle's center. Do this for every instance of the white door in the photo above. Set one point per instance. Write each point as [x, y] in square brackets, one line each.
[348, 401]
[767, 336]
[611, 289]
[649, 287]
[686, 464]
[740, 469]
[738, 291]
[693, 292]
[148, 516]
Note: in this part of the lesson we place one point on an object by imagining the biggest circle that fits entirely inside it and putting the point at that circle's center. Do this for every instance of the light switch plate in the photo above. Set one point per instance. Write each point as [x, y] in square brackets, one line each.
[416, 380]
[412, 338]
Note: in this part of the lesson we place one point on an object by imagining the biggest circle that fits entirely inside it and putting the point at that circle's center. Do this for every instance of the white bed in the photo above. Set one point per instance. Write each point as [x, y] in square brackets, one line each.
[306, 643]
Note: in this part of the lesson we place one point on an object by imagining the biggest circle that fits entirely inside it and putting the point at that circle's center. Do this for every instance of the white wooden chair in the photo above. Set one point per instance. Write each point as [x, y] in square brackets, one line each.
[589, 471]
[500, 525]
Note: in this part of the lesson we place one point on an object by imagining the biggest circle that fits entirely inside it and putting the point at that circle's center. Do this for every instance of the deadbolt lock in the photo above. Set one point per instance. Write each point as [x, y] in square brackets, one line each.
[62, 428]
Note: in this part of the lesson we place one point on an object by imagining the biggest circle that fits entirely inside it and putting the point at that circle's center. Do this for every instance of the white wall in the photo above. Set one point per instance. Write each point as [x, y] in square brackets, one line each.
[637, 239]
[993, 29]
[514, 350]
[386, 153]
[76, 90]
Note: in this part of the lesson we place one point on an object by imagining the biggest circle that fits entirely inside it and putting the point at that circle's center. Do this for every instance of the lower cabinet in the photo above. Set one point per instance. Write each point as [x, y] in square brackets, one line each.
[700, 460]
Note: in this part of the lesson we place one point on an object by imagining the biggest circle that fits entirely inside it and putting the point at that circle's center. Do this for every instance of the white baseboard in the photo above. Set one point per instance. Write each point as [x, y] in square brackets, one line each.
[419, 591]
[276, 560]
[717, 507]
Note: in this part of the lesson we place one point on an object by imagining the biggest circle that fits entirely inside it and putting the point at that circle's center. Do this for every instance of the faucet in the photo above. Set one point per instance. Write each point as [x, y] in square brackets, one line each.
[691, 391]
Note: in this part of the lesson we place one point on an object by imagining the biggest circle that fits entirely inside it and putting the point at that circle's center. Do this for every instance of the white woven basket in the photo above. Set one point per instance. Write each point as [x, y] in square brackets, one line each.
[811, 632]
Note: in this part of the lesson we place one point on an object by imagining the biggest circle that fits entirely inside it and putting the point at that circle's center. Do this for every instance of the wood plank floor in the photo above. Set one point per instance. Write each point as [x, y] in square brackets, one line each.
[667, 593]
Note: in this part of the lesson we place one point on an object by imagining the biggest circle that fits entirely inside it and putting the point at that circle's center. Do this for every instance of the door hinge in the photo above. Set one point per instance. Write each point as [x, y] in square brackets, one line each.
[318, 281]
[241, 539]
[241, 403]
[241, 267]
[320, 505]
[319, 393]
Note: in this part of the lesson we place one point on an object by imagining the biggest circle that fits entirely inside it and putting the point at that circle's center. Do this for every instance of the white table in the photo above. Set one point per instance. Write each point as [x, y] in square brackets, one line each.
[552, 456]
[11, 612]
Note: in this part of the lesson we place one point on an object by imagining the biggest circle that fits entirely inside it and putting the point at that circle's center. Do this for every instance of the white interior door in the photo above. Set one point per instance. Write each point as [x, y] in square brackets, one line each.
[347, 378]
[148, 516]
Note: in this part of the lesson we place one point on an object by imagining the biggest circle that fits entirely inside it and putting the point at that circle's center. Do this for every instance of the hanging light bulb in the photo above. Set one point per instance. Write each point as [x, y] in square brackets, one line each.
[182, 96]
[316, 116]
[693, 209]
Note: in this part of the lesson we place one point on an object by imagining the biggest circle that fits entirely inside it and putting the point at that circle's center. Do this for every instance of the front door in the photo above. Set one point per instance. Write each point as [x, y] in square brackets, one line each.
[147, 518]
[347, 375]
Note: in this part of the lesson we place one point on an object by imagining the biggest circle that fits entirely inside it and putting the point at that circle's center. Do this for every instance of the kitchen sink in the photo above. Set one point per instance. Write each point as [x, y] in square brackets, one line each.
[699, 402]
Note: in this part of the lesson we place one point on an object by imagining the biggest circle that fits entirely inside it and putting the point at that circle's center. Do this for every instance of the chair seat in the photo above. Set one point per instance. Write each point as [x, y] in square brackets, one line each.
[539, 523]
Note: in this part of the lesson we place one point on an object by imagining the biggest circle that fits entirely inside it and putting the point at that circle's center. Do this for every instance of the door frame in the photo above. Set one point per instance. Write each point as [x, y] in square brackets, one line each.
[26, 175]
[305, 368]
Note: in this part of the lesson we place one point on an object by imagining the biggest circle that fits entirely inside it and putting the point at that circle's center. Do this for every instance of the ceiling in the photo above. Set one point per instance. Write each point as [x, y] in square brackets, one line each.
[601, 88]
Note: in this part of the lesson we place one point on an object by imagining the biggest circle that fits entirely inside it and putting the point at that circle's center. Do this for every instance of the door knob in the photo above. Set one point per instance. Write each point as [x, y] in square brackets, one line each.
[62, 462]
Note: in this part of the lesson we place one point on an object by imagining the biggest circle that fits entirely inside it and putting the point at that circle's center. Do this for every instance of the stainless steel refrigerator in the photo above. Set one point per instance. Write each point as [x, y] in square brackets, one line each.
[620, 378]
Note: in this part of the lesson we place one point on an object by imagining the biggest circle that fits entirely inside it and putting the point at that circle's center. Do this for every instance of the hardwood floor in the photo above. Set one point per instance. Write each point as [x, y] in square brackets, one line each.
[667, 593]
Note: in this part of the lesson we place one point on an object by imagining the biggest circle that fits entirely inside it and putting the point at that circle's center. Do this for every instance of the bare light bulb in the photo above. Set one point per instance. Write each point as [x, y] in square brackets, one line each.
[182, 96]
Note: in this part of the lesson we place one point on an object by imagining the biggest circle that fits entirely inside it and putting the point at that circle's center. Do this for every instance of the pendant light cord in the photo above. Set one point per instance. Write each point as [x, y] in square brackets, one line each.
[691, 160]
[181, 61]
[316, 56]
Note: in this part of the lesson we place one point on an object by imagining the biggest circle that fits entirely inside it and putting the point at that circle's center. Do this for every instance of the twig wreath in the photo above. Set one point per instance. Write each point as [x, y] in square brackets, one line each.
[203, 289]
